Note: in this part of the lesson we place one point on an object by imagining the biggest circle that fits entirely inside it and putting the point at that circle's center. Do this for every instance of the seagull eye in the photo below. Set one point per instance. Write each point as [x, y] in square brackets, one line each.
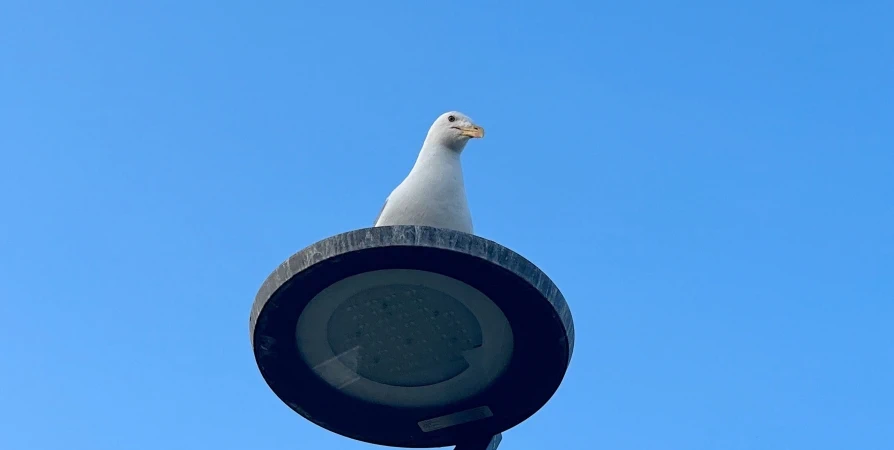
[451, 118]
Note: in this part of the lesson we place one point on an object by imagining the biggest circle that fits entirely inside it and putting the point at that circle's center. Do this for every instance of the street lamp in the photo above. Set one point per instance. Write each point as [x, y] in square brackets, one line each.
[412, 336]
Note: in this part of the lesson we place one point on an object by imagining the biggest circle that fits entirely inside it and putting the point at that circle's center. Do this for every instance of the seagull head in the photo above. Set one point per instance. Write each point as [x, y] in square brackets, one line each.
[453, 130]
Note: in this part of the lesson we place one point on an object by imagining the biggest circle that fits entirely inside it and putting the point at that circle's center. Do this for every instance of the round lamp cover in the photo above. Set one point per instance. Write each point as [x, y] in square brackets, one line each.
[411, 336]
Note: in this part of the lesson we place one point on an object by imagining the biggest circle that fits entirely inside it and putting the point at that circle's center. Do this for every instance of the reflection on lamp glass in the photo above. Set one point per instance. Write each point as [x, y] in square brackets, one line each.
[405, 338]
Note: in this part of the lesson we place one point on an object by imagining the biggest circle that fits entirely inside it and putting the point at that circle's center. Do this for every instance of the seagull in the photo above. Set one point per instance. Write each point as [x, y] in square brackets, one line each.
[433, 193]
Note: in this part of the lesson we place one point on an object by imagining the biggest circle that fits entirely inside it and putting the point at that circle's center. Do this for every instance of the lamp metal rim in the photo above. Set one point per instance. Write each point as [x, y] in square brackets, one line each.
[344, 246]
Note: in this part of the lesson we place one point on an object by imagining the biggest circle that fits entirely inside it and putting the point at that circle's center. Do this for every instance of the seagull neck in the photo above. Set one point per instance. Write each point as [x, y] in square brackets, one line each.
[436, 155]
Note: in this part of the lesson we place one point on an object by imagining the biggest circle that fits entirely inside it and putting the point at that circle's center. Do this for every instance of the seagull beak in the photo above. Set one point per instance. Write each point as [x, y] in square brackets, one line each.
[473, 131]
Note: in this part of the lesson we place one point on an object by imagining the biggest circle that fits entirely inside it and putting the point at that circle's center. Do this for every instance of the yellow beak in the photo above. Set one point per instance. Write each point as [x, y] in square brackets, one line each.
[473, 131]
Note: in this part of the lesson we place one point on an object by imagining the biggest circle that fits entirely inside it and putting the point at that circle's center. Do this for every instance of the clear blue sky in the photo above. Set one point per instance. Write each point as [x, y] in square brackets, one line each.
[711, 185]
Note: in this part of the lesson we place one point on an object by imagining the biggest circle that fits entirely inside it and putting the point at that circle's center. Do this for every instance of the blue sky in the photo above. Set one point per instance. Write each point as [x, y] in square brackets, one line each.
[709, 183]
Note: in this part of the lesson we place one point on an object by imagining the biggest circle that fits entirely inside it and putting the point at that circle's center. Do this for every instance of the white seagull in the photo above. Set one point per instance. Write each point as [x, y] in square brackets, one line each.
[433, 194]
